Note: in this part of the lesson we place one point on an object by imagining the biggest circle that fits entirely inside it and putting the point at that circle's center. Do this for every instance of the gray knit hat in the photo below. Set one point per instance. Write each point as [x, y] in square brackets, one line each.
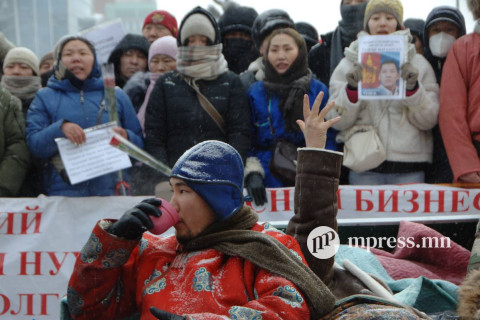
[393, 7]
[197, 23]
[22, 55]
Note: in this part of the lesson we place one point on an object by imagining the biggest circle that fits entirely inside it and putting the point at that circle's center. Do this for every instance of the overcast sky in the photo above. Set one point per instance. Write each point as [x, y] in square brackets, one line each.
[322, 14]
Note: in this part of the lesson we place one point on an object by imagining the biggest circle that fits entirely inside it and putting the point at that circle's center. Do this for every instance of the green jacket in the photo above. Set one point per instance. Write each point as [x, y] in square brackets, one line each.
[14, 155]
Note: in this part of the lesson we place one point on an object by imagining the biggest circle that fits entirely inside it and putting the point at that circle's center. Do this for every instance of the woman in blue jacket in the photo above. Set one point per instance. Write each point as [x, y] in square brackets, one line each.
[71, 102]
[276, 104]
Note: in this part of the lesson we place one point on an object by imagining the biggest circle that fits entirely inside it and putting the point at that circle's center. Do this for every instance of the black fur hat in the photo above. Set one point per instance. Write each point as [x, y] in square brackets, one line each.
[237, 18]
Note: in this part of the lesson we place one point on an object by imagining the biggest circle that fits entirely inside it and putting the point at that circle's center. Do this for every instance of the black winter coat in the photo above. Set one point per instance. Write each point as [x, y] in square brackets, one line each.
[319, 58]
[176, 121]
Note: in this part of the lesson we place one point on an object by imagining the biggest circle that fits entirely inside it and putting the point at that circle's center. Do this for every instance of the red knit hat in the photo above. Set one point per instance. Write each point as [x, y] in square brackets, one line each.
[163, 18]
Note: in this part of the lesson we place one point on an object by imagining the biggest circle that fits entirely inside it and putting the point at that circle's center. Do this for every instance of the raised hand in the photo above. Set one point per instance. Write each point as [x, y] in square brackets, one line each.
[314, 127]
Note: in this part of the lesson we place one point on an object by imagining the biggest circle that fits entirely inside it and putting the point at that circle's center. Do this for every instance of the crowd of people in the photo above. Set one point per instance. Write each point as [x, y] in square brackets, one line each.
[215, 99]
[240, 79]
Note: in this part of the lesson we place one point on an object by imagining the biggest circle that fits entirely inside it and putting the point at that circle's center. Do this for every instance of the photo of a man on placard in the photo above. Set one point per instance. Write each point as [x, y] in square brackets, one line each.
[389, 76]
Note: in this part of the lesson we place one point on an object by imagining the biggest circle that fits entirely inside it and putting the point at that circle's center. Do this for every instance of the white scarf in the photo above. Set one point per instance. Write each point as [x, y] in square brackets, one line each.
[201, 62]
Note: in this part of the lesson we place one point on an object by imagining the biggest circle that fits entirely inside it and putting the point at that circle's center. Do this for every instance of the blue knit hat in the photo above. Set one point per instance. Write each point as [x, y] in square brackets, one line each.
[215, 171]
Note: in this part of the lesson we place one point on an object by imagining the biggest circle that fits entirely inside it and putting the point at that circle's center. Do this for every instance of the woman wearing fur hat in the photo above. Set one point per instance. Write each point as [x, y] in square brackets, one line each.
[176, 116]
[276, 104]
[404, 126]
[71, 102]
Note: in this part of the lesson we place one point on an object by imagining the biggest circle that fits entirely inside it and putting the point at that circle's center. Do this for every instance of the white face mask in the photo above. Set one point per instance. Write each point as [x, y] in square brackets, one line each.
[441, 43]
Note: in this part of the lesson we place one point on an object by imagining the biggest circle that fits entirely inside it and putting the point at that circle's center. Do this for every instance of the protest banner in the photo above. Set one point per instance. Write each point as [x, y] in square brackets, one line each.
[381, 58]
[40, 237]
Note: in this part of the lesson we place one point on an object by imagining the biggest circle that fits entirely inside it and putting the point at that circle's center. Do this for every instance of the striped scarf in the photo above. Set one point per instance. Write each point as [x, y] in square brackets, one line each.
[201, 62]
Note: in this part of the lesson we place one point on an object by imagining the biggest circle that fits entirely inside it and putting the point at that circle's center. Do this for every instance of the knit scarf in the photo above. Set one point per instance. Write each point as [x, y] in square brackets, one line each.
[234, 237]
[290, 87]
[201, 62]
[22, 87]
[346, 32]
[143, 108]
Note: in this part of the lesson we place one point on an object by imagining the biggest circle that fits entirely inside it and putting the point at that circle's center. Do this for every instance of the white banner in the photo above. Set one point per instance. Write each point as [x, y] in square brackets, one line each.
[39, 237]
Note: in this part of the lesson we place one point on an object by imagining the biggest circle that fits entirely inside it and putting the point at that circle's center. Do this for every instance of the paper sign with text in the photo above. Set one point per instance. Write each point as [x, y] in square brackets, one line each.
[93, 158]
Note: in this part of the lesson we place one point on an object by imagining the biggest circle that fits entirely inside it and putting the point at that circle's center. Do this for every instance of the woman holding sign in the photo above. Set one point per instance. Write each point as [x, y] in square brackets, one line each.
[73, 101]
[401, 137]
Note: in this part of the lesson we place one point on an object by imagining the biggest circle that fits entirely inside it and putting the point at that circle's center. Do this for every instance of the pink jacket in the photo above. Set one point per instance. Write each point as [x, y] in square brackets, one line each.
[459, 116]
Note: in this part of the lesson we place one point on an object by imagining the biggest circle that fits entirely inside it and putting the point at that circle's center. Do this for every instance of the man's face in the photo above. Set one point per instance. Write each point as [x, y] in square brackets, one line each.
[131, 62]
[389, 75]
[195, 214]
[18, 70]
[154, 31]
[443, 26]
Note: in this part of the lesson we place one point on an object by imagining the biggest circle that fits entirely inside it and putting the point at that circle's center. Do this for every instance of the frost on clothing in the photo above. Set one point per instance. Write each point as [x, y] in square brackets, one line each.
[176, 121]
[136, 275]
[266, 114]
[60, 102]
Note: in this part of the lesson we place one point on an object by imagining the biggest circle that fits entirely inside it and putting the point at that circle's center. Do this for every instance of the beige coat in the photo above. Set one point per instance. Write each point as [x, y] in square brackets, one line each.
[405, 128]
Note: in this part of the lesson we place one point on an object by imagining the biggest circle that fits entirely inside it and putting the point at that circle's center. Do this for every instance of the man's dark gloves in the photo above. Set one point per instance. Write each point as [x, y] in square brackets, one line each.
[136, 221]
[256, 188]
[164, 315]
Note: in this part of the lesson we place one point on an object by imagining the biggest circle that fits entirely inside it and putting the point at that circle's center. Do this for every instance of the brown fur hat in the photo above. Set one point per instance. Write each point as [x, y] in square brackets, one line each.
[469, 295]
[474, 6]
